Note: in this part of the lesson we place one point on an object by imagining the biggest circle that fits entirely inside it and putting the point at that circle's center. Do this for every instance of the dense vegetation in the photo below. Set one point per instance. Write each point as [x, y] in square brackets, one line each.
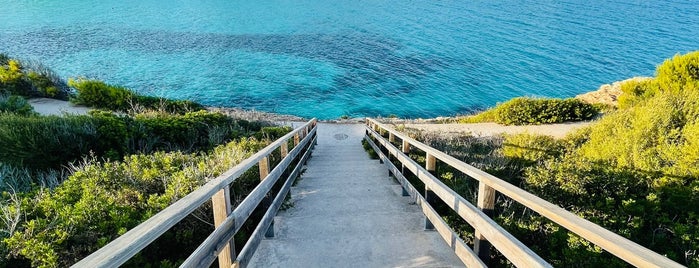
[528, 111]
[48, 142]
[635, 172]
[97, 94]
[30, 79]
[15, 105]
[70, 184]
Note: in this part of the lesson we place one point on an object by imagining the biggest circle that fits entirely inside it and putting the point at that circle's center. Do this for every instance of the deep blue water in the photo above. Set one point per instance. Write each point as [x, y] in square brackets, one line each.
[331, 58]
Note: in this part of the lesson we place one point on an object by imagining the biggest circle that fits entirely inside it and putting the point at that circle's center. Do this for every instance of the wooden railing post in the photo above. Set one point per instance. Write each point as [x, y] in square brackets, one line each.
[391, 137]
[267, 201]
[405, 149]
[221, 203]
[486, 203]
[430, 196]
[297, 139]
[284, 148]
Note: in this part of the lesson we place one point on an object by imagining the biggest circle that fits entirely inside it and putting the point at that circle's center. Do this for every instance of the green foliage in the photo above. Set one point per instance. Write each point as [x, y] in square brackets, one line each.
[636, 91]
[369, 150]
[30, 79]
[4, 59]
[681, 73]
[11, 81]
[45, 142]
[98, 94]
[272, 133]
[99, 202]
[51, 142]
[16, 105]
[95, 93]
[636, 172]
[530, 148]
[482, 117]
[526, 111]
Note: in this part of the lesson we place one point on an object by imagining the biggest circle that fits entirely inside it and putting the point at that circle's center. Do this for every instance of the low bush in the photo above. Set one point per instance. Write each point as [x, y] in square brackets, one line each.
[46, 142]
[50, 142]
[533, 111]
[100, 202]
[30, 79]
[678, 74]
[98, 94]
[531, 149]
[16, 105]
[526, 111]
[95, 93]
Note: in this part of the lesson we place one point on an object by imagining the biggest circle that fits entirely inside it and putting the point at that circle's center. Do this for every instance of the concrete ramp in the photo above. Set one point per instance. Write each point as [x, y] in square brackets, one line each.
[349, 213]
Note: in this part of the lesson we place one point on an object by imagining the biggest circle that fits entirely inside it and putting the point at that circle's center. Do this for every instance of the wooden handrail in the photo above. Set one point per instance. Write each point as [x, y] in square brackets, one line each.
[613, 243]
[129, 244]
[518, 253]
[203, 256]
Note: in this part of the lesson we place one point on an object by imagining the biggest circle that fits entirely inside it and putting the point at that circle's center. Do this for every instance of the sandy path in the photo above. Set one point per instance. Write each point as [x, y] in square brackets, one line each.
[46, 106]
[490, 129]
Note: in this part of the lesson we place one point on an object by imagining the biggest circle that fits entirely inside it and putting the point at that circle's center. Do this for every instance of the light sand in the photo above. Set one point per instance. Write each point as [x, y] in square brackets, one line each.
[45, 106]
[491, 129]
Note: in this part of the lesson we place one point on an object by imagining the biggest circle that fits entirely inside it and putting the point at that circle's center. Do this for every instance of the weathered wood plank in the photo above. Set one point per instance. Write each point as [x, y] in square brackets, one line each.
[221, 205]
[486, 203]
[615, 244]
[284, 149]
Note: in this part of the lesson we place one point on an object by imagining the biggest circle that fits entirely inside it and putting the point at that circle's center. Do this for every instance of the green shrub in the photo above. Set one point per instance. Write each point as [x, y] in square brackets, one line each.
[4, 59]
[16, 105]
[50, 142]
[45, 142]
[636, 91]
[95, 93]
[482, 117]
[99, 202]
[272, 133]
[11, 81]
[680, 73]
[30, 79]
[528, 111]
[191, 131]
[525, 111]
[167, 105]
[636, 172]
[530, 148]
[98, 94]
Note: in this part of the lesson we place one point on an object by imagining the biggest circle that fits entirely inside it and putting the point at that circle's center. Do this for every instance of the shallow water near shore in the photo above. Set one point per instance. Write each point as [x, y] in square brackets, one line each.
[327, 59]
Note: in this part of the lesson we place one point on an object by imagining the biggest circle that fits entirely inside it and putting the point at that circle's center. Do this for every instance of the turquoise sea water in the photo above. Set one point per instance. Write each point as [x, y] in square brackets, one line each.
[331, 58]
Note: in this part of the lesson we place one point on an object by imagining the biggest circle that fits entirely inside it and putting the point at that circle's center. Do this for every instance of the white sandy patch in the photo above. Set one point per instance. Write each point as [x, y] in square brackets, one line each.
[45, 106]
[490, 129]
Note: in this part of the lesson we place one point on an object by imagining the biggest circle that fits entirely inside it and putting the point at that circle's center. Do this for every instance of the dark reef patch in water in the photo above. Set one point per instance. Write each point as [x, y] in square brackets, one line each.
[367, 59]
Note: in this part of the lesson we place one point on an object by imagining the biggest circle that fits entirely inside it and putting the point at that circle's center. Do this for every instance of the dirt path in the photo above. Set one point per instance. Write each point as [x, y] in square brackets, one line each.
[45, 106]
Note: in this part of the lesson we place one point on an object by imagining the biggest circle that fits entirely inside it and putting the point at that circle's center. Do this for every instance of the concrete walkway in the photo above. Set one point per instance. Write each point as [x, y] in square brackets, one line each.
[349, 213]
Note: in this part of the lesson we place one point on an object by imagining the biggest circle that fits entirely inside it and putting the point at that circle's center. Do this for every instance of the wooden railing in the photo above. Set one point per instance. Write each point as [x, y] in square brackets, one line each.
[227, 220]
[487, 231]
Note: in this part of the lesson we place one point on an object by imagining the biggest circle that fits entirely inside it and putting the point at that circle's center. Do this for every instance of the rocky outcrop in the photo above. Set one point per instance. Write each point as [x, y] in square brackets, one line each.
[607, 93]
